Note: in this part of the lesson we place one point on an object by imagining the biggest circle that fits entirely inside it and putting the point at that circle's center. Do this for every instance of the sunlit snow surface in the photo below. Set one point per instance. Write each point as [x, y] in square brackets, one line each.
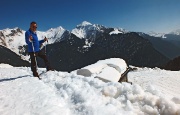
[168, 82]
[62, 93]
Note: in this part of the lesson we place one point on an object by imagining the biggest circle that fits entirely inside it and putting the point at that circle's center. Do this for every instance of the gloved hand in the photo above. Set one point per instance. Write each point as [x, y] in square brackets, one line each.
[46, 39]
[30, 38]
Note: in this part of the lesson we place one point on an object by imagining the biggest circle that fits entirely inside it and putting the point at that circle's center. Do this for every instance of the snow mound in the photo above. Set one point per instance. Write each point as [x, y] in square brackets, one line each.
[103, 69]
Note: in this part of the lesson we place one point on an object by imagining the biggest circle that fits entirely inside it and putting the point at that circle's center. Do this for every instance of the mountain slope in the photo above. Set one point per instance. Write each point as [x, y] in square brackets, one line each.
[173, 38]
[164, 45]
[173, 65]
[133, 48]
[9, 57]
[73, 53]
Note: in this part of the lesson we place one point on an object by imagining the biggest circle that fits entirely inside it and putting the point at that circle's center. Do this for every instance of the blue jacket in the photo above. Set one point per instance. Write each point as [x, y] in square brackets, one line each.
[35, 41]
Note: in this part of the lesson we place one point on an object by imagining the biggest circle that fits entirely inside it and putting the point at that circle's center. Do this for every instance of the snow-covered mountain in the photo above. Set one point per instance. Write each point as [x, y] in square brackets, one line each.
[89, 40]
[164, 35]
[14, 39]
[153, 91]
[100, 42]
[175, 32]
[53, 34]
[159, 35]
[88, 31]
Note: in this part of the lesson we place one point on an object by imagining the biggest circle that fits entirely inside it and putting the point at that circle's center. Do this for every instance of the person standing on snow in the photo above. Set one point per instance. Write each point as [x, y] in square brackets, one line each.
[34, 48]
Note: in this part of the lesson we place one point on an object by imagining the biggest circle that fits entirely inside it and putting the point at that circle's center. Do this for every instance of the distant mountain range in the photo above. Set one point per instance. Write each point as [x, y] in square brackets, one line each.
[168, 46]
[87, 43]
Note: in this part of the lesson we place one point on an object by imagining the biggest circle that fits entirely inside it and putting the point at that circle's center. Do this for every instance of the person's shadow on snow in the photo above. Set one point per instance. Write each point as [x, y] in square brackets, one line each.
[10, 79]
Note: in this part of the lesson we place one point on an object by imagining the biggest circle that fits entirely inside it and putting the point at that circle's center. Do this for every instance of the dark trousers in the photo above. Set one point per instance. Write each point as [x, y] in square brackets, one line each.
[33, 57]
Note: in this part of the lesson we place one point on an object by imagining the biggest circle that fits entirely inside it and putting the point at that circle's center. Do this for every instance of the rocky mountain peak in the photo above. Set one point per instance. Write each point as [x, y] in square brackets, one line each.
[84, 23]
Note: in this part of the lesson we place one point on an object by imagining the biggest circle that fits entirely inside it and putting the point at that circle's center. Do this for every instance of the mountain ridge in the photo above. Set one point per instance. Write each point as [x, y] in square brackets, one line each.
[110, 42]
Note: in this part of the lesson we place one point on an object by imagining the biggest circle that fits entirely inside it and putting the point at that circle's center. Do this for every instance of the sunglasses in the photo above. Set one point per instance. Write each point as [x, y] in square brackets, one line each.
[34, 26]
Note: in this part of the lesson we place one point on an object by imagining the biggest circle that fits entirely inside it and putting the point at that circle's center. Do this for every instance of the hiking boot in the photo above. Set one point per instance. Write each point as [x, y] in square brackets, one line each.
[35, 74]
[50, 69]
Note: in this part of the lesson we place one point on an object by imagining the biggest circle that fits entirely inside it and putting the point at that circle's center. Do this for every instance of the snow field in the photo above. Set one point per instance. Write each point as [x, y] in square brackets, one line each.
[167, 82]
[70, 94]
[23, 94]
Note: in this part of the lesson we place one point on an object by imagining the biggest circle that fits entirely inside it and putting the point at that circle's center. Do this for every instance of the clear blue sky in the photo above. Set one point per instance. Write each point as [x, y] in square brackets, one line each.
[132, 15]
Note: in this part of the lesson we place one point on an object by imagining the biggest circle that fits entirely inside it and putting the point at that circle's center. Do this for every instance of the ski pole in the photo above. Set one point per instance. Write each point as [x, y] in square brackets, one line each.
[45, 45]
